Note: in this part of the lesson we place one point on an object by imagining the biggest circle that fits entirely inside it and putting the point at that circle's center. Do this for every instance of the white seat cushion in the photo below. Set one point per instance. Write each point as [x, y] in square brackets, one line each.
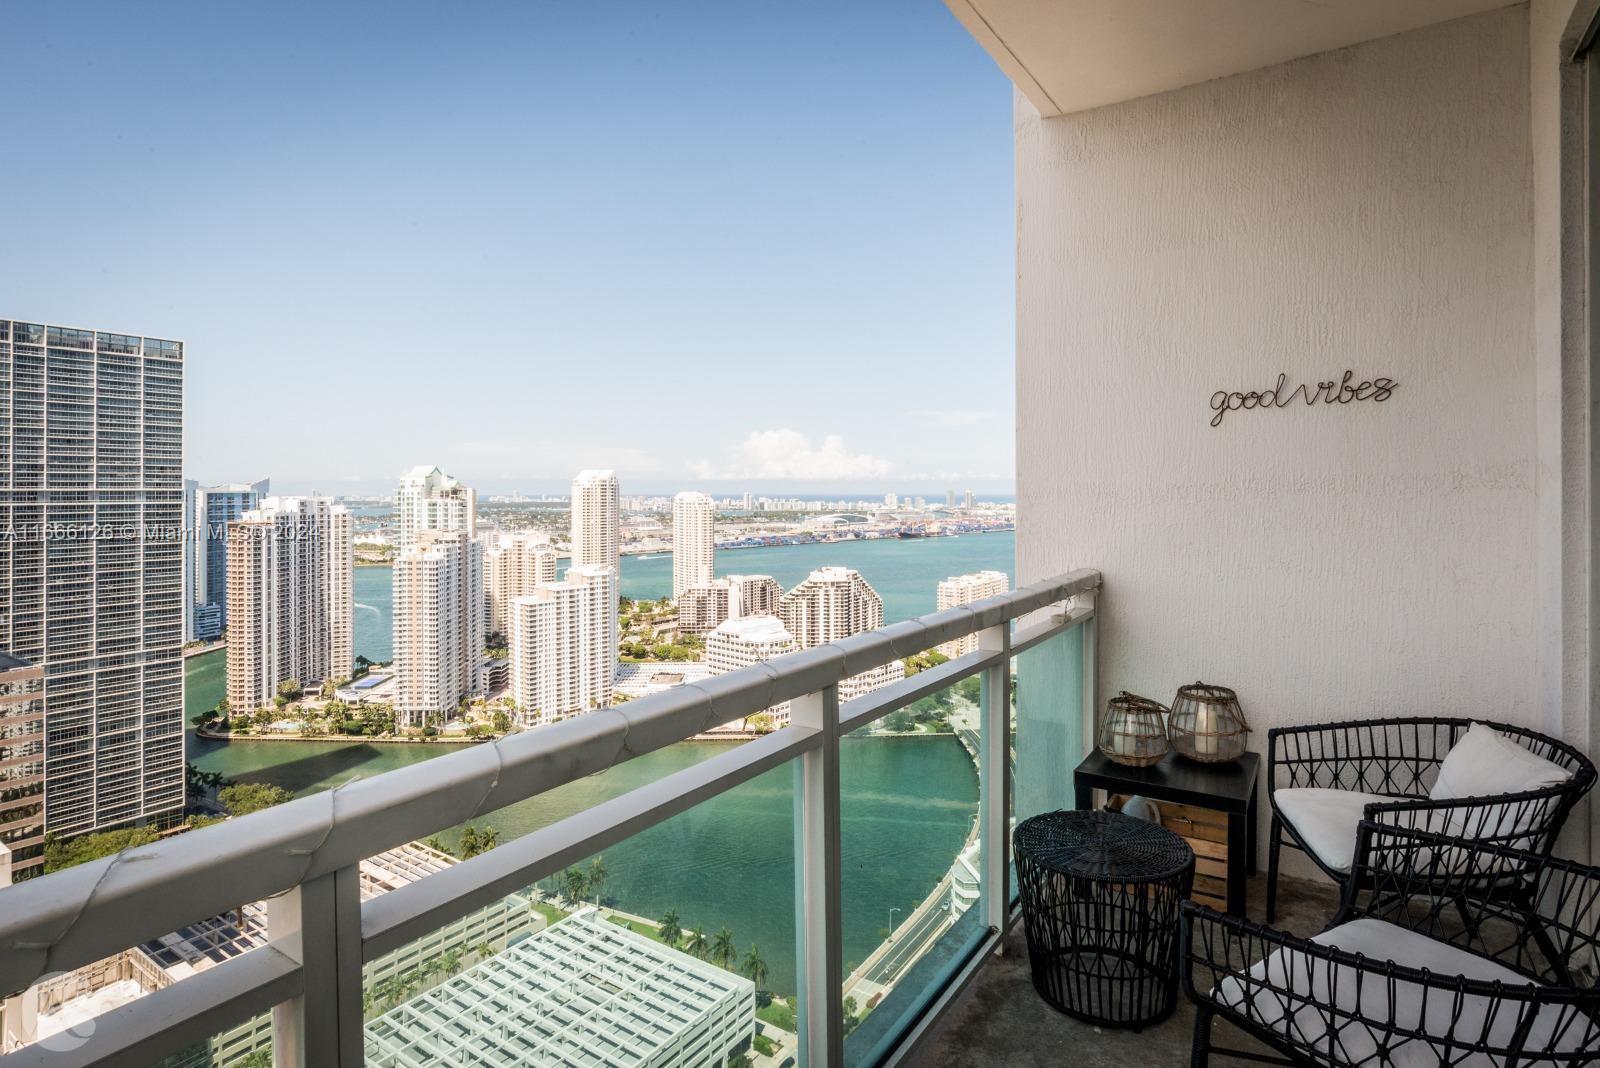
[1326, 820]
[1413, 1007]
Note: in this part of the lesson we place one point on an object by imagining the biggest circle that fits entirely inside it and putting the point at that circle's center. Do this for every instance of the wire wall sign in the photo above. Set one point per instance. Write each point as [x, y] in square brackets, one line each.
[1279, 396]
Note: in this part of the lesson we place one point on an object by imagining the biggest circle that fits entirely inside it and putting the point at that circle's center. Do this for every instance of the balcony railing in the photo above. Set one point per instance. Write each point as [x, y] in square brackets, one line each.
[303, 857]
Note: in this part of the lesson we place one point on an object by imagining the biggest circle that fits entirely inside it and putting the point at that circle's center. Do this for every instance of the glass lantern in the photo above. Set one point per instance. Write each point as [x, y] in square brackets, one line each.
[1133, 730]
[1207, 724]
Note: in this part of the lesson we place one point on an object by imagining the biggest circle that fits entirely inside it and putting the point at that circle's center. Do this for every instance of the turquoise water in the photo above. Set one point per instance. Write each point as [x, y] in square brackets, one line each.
[906, 803]
[906, 806]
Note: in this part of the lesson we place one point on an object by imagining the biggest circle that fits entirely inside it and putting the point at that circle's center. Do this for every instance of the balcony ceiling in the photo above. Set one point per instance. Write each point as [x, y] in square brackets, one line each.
[1072, 55]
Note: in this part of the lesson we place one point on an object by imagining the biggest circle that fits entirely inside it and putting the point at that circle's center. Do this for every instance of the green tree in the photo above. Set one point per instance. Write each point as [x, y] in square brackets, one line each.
[291, 690]
[243, 798]
[723, 951]
[256, 1058]
[573, 883]
[671, 932]
[62, 853]
[597, 877]
[475, 841]
[755, 969]
[502, 721]
[851, 1020]
[696, 943]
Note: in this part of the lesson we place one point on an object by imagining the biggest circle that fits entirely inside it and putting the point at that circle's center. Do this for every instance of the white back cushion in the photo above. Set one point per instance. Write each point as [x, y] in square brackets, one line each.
[1486, 763]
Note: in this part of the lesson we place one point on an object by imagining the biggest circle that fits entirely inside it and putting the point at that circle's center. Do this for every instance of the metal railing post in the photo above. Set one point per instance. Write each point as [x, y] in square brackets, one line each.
[318, 923]
[994, 777]
[818, 925]
[1091, 710]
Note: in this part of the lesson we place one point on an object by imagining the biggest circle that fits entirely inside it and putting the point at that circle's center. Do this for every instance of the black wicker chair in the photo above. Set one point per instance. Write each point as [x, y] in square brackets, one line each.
[1383, 770]
[1421, 967]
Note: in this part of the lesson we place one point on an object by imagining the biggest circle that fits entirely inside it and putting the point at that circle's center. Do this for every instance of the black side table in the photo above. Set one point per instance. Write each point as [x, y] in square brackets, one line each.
[1100, 895]
[1230, 788]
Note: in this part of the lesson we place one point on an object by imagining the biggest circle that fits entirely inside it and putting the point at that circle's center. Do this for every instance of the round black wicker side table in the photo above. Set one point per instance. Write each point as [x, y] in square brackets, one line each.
[1100, 894]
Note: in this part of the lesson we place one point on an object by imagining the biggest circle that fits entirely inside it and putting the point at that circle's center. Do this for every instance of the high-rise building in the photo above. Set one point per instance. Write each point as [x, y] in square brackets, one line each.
[290, 603]
[21, 769]
[958, 590]
[564, 645]
[834, 603]
[694, 540]
[738, 643]
[969, 501]
[207, 511]
[91, 562]
[891, 500]
[596, 536]
[702, 608]
[429, 499]
[439, 593]
[438, 626]
[514, 562]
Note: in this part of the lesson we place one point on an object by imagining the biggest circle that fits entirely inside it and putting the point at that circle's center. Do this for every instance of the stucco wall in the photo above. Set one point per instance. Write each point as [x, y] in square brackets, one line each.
[1367, 210]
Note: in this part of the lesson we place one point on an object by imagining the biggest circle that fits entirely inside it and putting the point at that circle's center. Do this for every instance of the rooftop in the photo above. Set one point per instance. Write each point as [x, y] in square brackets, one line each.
[582, 992]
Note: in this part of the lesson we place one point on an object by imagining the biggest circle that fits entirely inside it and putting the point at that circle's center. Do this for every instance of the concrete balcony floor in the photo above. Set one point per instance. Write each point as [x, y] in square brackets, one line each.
[1001, 1020]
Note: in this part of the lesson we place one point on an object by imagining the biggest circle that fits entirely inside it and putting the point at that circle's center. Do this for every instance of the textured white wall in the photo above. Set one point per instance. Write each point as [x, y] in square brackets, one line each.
[1369, 209]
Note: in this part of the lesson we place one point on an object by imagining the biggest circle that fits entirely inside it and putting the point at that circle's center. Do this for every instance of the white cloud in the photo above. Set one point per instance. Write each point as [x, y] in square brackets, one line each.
[950, 416]
[779, 454]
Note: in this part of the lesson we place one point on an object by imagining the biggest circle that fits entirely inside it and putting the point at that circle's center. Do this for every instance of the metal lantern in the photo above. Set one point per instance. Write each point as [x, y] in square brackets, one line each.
[1207, 724]
[1133, 731]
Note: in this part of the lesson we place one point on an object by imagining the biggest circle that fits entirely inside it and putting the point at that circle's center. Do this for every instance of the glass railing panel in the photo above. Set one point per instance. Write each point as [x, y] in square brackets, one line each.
[1047, 723]
[248, 1045]
[674, 946]
[911, 861]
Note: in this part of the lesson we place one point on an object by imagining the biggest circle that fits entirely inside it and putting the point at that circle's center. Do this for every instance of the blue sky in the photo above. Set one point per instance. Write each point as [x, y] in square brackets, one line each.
[706, 244]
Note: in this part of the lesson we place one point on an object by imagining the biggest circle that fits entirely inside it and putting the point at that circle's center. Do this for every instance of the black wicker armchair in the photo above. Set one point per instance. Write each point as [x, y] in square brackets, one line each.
[1422, 966]
[1323, 779]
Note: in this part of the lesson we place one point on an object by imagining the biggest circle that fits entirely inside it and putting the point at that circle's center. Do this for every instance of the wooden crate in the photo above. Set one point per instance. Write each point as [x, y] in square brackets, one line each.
[1206, 831]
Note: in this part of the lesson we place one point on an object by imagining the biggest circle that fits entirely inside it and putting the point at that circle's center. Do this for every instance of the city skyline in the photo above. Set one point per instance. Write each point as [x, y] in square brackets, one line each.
[847, 240]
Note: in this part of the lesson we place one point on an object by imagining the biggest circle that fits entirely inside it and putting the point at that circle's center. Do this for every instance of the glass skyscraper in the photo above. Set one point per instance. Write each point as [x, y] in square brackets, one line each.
[91, 568]
[207, 511]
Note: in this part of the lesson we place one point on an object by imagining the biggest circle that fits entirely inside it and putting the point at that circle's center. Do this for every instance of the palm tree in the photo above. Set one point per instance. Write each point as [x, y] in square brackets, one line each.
[723, 951]
[483, 950]
[597, 877]
[467, 848]
[488, 838]
[755, 969]
[669, 930]
[573, 883]
[696, 942]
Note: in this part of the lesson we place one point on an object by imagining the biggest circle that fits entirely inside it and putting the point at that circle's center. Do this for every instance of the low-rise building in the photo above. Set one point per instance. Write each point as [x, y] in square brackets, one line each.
[68, 1000]
[583, 991]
